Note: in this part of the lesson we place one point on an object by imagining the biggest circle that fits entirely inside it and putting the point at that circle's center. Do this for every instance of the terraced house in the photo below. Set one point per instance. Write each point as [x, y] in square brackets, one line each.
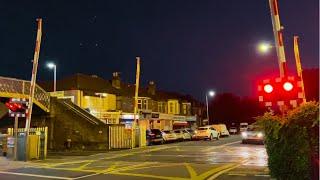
[107, 102]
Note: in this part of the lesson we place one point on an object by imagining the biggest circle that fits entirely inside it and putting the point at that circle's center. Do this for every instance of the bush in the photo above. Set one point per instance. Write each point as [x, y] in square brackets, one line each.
[292, 141]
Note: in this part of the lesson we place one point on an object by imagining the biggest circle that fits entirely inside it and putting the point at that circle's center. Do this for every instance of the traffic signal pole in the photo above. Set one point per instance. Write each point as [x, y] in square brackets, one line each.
[278, 37]
[33, 85]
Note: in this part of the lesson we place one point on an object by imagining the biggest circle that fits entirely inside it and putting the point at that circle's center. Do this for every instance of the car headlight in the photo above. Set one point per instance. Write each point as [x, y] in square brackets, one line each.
[260, 135]
[195, 132]
[244, 134]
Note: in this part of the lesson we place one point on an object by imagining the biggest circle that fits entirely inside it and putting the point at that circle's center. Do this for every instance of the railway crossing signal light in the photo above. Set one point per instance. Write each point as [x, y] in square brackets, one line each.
[17, 107]
[285, 91]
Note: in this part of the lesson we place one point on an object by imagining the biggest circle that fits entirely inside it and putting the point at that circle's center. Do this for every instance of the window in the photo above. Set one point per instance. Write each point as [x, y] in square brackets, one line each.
[184, 109]
[171, 108]
[139, 104]
[160, 107]
[145, 104]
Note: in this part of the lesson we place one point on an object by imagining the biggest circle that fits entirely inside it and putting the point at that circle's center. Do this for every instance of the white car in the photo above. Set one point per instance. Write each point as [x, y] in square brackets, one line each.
[243, 127]
[233, 130]
[168, 136]
[179, 134]
[206, 132]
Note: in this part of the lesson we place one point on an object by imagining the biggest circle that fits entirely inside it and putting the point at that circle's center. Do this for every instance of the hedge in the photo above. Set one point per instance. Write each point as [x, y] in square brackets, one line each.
[292, 142]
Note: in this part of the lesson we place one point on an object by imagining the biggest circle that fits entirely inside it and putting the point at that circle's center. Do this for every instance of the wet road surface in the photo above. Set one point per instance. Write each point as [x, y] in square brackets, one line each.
[226, 158]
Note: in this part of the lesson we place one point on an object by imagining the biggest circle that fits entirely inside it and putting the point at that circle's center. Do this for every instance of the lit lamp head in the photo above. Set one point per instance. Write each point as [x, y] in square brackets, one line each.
[51, 65]
[211, 93]
[264, 47]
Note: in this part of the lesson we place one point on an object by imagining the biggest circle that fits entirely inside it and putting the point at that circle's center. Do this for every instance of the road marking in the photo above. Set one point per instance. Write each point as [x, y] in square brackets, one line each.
[191, 171]
[262, 175]
[150, 176]
[35, 175]
[226, 170]
[126, 168]
[215, 170]
[219, 146]
[89, 175]
[236, 174]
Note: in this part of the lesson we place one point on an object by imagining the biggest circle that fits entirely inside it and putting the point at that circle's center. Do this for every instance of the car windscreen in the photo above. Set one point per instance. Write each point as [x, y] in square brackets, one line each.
[202, 128]
[190, 131]
[177, 131]
[243, 126]
[167, 132]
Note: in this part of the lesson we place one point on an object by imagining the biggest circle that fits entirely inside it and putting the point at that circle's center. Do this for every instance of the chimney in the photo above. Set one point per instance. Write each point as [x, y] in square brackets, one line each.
[151, 88]
[116, 81]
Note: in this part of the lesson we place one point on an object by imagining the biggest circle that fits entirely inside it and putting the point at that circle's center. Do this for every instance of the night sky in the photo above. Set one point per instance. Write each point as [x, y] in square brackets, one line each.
[185, 46]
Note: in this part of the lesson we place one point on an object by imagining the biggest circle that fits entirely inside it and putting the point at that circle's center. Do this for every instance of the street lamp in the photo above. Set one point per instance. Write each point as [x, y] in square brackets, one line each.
[211, 94]
[264, 47]
[54, 67]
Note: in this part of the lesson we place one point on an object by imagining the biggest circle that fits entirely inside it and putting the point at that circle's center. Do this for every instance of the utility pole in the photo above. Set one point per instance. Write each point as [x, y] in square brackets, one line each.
[278, 37]
[298, 64]
[136, 94]
[33, 85]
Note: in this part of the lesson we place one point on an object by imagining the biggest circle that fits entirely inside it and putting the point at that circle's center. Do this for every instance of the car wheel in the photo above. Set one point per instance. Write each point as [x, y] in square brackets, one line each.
[211, 137]
[218, 136]
[244, 142]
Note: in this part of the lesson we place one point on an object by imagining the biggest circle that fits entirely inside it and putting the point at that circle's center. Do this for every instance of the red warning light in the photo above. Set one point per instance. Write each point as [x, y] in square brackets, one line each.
[287, 86]
[268, 88]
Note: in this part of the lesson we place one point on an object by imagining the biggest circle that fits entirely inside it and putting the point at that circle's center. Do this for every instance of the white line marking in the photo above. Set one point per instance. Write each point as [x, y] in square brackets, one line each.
[35, 175]
[89, 175]
[262, 175]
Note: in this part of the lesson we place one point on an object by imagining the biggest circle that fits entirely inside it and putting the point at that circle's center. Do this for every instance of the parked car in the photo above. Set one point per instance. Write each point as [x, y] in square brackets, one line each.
[253, 135]
[179, 134]
[169, 136]
[222, 129]
[191, 133]
[154, 136]
[186, 134]
[243, 127]
[233, 130]
[206, 132]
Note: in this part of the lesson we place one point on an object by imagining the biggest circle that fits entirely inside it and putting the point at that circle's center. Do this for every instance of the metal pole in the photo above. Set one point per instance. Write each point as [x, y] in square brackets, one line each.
[136, 94]
[15, 137]
[298, 64]
[32, 85]
[55, 78]
[207, 107]
[277, 31]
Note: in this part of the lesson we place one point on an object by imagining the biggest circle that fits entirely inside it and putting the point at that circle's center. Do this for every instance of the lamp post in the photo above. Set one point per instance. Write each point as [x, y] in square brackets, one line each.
[211, 94]
[54, 67]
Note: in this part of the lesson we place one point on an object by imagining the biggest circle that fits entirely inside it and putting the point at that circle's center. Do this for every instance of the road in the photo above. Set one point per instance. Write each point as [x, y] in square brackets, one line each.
[226, 158]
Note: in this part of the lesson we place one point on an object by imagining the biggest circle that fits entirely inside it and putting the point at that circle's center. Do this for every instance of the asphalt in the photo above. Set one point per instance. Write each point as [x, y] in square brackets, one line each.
[226, 158]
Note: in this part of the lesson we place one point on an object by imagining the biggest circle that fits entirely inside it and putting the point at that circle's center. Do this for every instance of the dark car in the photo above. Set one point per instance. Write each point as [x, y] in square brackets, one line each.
[154, 136]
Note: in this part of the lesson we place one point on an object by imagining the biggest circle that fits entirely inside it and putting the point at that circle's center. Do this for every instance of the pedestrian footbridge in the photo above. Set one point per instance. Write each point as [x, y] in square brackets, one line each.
[17, 88]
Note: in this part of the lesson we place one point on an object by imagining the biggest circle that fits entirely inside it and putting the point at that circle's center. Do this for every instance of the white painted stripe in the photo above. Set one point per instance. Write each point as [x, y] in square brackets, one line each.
[262, 175]
[89, 175]
[35, 175]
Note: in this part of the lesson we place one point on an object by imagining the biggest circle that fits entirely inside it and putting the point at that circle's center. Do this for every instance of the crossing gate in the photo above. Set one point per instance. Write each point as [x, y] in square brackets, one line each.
[38, 138]
[119, 137]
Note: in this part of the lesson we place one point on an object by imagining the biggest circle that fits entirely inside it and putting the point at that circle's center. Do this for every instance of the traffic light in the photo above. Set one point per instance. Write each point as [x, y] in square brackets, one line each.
[280, 91]
[17, 107]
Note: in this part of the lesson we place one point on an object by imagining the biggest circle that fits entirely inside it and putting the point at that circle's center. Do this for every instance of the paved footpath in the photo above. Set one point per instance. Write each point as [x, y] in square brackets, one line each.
[226, 158]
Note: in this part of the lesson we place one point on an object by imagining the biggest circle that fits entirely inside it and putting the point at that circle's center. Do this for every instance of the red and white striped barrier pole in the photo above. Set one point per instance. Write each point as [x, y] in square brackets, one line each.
[33, 84]
[277, 30]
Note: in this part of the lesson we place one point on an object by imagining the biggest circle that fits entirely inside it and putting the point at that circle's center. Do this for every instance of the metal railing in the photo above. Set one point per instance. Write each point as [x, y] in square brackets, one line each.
[16, 88]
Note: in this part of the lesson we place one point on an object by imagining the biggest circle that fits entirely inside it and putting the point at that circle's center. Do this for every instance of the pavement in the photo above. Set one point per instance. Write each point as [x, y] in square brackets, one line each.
[226, 158]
